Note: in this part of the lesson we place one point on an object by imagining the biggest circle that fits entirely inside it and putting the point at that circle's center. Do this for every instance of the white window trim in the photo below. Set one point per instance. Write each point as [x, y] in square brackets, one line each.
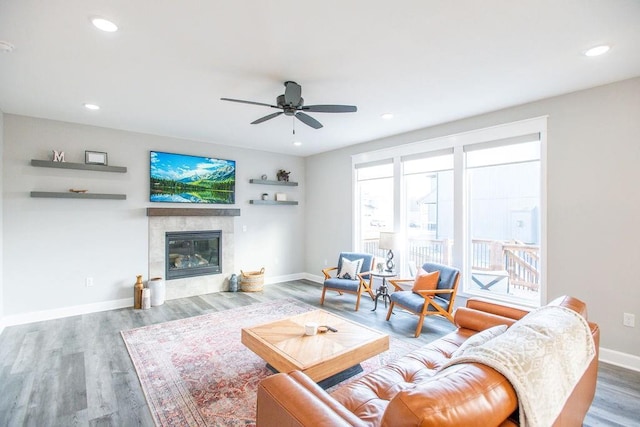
[457, 142]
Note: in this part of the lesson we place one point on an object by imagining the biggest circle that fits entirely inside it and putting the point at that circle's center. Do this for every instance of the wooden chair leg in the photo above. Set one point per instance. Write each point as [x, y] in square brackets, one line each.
[324, 291]
[390, 310]
[358, 299]
[419, 328]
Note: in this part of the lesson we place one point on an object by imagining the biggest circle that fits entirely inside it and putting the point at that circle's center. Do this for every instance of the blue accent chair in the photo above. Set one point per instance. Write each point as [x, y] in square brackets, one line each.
[424, 303]
[363, 282]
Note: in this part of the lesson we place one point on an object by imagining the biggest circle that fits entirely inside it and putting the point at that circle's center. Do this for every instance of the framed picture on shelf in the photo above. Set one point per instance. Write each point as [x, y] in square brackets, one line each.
[95, 158]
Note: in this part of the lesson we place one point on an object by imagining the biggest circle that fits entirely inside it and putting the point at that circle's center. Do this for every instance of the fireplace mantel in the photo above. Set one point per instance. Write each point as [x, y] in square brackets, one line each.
[192, 212]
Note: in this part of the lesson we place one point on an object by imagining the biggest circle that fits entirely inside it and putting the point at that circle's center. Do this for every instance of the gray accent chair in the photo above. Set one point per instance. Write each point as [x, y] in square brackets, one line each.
[363, 281]
[432, 302]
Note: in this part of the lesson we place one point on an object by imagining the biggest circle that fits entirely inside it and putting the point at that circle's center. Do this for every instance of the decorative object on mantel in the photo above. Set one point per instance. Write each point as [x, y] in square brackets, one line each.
[283, 175]
[233, 283]
[73, 190]
[265, 196]
[264, 177]
[95, 158]
[146, 299]
[158, 290]
[281, 197]
[252, 281]
[58, 156]
[137, 292]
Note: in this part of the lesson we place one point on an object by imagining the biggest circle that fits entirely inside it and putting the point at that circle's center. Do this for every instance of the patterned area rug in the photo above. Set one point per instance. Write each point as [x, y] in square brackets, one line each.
[196, 372]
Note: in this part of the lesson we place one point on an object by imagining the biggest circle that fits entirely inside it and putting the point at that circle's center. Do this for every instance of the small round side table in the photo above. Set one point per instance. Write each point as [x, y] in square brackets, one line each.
[383, 290]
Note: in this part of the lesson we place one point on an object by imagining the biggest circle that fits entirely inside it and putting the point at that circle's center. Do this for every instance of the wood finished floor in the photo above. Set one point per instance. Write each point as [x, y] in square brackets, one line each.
[76, 371]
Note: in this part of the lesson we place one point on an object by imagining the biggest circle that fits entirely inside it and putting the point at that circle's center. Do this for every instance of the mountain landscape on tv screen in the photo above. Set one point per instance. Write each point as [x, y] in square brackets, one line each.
[181, 178]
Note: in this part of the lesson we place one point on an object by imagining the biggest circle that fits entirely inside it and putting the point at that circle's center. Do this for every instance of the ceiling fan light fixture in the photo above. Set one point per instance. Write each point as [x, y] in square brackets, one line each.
[387, 116]
[597, 50]
[104, 24]
[92, 107]
[297, 143]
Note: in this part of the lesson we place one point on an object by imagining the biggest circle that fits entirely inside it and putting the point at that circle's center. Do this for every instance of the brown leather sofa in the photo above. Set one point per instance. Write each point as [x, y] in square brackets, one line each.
[408, 393]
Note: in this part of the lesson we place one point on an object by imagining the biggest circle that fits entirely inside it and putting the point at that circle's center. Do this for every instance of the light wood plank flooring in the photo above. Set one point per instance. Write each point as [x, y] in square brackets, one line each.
[76, 371]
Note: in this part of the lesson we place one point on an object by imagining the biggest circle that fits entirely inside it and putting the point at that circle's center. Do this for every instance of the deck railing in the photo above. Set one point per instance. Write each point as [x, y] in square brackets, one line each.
[519, 260]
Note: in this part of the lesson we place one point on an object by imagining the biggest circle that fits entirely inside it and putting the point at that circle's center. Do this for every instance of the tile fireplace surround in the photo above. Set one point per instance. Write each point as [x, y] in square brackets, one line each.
[163, 220]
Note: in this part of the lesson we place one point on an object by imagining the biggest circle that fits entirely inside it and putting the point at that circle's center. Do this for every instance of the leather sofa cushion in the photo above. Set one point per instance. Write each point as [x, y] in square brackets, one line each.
[368, 397]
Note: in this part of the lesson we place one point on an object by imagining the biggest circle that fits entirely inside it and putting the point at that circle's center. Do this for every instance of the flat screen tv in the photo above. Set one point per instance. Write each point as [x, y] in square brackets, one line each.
[180, 178]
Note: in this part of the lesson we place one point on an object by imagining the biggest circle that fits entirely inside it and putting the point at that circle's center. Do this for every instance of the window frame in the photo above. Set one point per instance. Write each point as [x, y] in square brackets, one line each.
[498, 135]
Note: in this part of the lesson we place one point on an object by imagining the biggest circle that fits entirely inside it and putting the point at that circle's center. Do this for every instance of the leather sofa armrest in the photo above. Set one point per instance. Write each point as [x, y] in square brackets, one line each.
[499, 309]
[294, 400]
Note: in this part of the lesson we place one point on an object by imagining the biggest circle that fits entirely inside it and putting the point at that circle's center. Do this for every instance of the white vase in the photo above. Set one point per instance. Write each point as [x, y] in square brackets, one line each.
[158, 291]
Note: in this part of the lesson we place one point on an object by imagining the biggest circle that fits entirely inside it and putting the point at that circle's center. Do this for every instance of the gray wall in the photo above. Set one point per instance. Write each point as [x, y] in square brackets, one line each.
[593, 172]
[52, 245]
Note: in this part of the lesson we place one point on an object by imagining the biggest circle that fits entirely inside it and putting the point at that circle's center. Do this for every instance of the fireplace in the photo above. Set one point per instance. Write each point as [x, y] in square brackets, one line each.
[192, 253]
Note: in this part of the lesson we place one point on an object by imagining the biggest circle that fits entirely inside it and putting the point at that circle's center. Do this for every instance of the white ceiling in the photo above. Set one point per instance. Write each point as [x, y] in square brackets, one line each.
[426, 61]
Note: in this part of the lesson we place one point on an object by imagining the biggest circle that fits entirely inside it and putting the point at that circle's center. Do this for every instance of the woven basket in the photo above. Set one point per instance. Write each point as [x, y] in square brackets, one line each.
[252, 281]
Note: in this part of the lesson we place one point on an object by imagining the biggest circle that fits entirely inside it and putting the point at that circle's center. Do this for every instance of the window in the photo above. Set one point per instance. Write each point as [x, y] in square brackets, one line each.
[473, 200]
[503, 191]
[374, 192]
[428, 209]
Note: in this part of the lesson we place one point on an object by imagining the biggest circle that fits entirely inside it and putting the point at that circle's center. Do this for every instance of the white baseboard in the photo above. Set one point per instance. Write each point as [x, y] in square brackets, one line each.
[38, 316]
[624, 360]
[314, 278]
[284, 278]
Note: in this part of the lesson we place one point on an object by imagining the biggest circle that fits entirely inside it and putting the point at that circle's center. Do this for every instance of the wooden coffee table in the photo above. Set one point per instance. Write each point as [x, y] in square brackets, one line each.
[329, 356]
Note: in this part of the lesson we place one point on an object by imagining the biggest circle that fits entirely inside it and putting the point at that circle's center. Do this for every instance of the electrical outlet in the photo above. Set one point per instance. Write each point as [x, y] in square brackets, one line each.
[326, 262]
[88, 282]
[244, 228]
[629, 319]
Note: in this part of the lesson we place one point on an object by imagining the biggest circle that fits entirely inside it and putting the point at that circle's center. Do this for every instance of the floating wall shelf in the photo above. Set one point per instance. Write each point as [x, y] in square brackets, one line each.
[272, 202]
[79, 166]
[70, 195]
[271, 182]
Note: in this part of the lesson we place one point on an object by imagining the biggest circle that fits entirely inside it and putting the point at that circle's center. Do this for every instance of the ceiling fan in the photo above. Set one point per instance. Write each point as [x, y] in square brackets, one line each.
[292, 104]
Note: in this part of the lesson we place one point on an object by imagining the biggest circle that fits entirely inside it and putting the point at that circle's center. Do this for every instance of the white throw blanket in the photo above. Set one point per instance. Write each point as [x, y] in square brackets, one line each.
[543, 355]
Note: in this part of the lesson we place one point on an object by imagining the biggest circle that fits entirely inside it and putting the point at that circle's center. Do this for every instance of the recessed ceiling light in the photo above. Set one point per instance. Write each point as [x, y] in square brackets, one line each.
[91, 106]
[387, 116]
[104, 24]
[597, 50]
[297, 143]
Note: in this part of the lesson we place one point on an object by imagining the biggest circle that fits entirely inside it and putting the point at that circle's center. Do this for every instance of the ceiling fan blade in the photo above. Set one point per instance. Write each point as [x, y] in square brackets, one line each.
[249, 102]
[308, 120]
[330, 108]
[292, 93]
[265, 118]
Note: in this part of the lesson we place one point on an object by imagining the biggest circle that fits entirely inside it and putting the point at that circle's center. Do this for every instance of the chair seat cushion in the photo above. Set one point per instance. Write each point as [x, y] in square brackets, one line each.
[343, 284]
[414, 302]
